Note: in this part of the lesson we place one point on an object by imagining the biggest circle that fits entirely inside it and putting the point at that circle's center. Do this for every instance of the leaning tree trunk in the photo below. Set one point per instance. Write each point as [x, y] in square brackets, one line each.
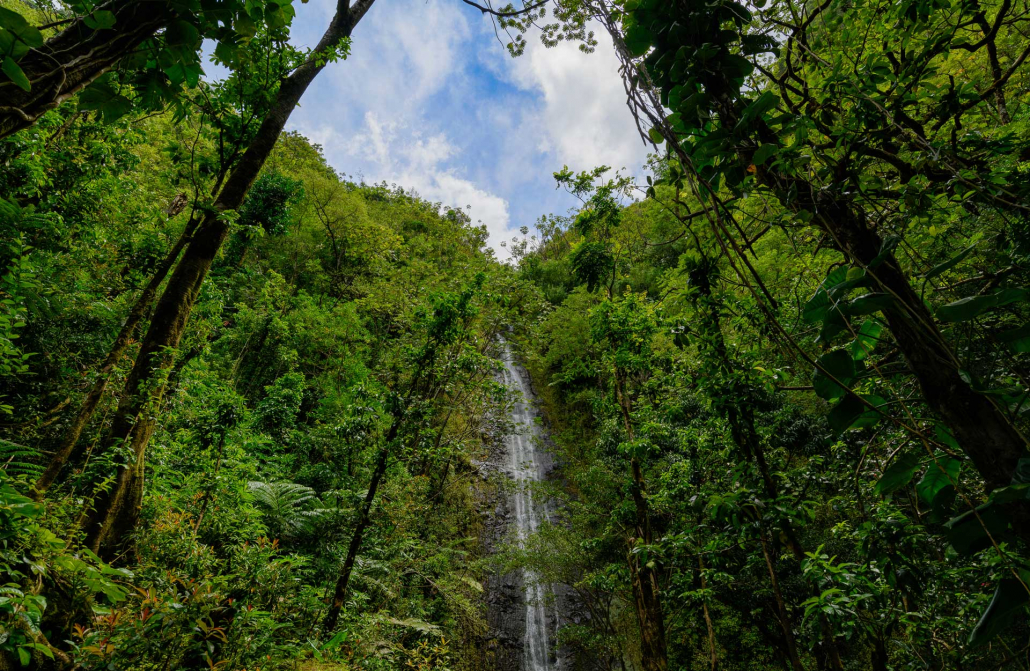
[364, 518]
[115, 510]
[988, 438]
[983, 431]
[121, 343]
[76, 56]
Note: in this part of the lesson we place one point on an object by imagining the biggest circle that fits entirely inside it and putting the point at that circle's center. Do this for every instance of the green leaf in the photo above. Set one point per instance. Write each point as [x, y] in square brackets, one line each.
[676, 96]
[898, 475]
[837, 364]
[638, 40]
[844, 414]
[756, 109]
[944, 435]
[764, 153]
[938, 477]
[851, 413]
[24, 656]
[967, 535]
[656, 136]
[737, 67]
[102, 97]
[100, 20]
[1010, 494]
[866, 340]
[182, 33]
[818, 305]
[870, 303]
[20, 28]
[972, 306]
[1018, 339]
[17, 75]
[1010, 598]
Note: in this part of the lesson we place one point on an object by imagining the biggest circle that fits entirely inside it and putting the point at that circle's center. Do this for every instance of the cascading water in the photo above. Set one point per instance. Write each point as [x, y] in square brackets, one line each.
[525, 468]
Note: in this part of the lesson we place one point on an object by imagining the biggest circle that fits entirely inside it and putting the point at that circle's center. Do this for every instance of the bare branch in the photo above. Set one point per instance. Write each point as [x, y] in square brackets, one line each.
[504, 15]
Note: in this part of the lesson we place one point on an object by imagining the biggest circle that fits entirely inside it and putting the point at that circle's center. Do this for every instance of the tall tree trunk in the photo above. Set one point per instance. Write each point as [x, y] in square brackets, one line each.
[646, 588]
[116, 510]
[121, 343]
[76, 56]
[740, 415]
[983, 431]
[992, 443]
[781, 606]
[713, 651]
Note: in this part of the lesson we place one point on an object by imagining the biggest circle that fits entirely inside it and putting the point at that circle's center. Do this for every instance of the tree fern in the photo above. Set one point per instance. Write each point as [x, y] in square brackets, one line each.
[290, 510]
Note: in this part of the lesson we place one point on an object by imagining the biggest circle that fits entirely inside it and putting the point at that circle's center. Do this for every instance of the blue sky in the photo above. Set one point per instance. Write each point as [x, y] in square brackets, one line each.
[431, 101]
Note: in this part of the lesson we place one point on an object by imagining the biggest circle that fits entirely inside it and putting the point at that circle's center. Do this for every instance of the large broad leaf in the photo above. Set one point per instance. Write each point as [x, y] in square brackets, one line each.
[867, 339]
[764, 153]
[973, 306]
[1010, 599]
[100, 20]
[967, 534]
[870, 303]
[818, 305]
[1011, 494]
[839, 366]
[638, 40]
[736, 66]
[898, 475]
[755, 110]
[1018, 340]
[102, 97]
[16, 24]
[939, 477]
[851, 413]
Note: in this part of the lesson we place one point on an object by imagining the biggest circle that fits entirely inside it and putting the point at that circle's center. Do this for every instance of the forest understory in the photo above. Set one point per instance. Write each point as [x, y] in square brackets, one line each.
[763, 405]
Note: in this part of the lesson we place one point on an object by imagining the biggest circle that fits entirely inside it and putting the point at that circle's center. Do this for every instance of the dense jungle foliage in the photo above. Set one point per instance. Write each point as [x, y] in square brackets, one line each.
[245, 399]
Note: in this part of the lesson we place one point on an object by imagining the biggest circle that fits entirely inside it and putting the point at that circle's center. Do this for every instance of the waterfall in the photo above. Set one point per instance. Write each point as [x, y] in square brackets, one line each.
[524, 466]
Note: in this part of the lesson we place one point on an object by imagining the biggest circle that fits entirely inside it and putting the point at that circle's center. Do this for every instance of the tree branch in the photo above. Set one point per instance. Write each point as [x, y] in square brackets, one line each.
[504, 15]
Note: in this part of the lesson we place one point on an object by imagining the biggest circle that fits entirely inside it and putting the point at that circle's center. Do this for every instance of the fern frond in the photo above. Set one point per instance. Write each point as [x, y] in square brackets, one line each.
[18, 460]
[290, 510]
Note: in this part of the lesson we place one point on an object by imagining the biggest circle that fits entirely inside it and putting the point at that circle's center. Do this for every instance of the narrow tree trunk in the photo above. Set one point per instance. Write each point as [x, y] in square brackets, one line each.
[992, 443]
[75, 57]
[740, 415]
[121, 343]
[343, 579]
[646, 589]
[781, 607]
[983, 431]
[116, 510]
[713, 652]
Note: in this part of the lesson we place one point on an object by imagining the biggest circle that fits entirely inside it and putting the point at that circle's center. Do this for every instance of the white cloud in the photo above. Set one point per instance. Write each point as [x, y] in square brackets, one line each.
[583, 113]
[400, 155]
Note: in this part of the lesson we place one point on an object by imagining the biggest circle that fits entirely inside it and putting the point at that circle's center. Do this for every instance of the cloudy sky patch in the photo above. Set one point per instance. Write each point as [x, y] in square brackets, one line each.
[431, 101]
